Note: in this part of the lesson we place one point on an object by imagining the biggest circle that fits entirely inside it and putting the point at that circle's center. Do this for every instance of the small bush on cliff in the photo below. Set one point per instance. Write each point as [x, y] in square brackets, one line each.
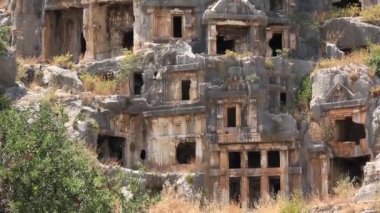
[304, 93]
[130, 62]
[64, 61]
[374, 58]
[4, 32]
[97, 85]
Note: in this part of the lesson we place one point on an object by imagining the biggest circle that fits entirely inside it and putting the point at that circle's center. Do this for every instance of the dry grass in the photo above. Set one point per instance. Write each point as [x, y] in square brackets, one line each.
[375, 91]
[371, 14]
[98, 85]
[171, 202]
[356, 57]
[63, 61]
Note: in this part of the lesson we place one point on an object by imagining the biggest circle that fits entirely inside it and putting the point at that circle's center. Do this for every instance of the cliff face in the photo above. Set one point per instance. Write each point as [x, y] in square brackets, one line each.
[236, 91]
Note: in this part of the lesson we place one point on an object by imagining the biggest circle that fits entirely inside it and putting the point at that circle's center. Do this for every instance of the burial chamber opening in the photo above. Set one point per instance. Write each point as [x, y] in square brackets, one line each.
[347, 130]
[349, 167]
[185, 153]
[347, 3]
[110, 149]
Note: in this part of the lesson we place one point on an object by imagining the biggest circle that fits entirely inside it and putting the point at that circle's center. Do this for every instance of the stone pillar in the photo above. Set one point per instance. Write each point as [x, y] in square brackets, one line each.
[224, 177]
[264, 179]
[198, 152]
[284, 161]
[324, 176]
[244, 192]
[252, 39]
[211, 39]
[126, 154]
[269, 36]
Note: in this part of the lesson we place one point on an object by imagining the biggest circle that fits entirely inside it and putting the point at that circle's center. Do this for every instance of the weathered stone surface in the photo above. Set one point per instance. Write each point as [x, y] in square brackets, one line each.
[7, 70]
[350, 33]
[57, 77]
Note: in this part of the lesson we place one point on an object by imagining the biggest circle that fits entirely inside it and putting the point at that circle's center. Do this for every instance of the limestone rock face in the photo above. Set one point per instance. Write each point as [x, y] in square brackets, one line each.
[371, 187]
[350, 33]
[7, 70]
[279, 127]
[355, 77]
[62, 78]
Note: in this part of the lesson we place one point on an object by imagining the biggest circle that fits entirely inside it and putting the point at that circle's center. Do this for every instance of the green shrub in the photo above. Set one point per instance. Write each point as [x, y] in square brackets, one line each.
[63, 61]
[294, 205]
[304, 93]
[5, 103]
[43, 171]
[374, 58]
[305, 20]
[130, 62]
[4, 33]
[269, 65]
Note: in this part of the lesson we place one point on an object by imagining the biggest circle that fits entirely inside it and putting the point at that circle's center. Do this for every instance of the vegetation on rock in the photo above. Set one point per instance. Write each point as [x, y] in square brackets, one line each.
[41, 170]
[4, 31]
[304, 93]
[130, 62]
[64, 61]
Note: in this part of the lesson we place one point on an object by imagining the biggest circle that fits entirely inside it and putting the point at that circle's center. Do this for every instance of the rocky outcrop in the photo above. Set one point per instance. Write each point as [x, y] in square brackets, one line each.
[355, 77]
[350, 33]
[7, 70]
[370, 191]
[62, 79]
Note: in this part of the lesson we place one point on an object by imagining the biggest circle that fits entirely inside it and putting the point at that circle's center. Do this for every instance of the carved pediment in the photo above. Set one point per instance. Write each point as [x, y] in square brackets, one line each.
[235, 81]
[338, 93]
[233, 10]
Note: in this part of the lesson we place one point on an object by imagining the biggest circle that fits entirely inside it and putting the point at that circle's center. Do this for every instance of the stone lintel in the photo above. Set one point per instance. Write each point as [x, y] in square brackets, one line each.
[183, 67]
[343, 104]
[176, 111]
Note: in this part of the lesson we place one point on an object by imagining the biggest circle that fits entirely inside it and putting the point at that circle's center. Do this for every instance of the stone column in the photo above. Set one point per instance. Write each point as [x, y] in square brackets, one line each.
[211, 39]
[284, 161]
[324, 176]
[224, 177]
[269, 36]
[244, 181]
[252, 39]
[244, 192]
[264, 186]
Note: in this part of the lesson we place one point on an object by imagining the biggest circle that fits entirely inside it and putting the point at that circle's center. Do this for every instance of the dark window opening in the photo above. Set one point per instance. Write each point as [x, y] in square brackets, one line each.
[276, 43]
[272, 80]
[276, 5]
[110, 149]
[349, 167]
[234, 160]
[155, 74]
[83, 44]
[347, 3]
[235, 189]
[274, 159]
[231, 117]
[186, 90]
[223, 44]
[177, 26]
[254, 190]
[143, 154]
[138, 83]
[254, 159]
[185, 153]
[128, 40]
[283, 99]
[274, 185]
[349, 130]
